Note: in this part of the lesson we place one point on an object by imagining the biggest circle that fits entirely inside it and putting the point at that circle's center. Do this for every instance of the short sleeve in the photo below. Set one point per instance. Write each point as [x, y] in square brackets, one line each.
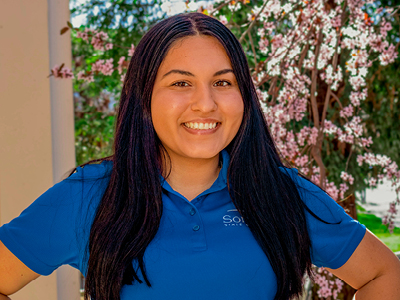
[335, 238]
[54, 229]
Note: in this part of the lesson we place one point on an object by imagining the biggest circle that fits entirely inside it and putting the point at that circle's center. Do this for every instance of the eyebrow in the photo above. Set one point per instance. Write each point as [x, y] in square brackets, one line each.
[186, 73]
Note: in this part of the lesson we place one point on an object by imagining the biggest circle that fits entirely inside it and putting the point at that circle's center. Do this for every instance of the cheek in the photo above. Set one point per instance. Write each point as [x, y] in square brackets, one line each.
[237, 110]
[167, 103]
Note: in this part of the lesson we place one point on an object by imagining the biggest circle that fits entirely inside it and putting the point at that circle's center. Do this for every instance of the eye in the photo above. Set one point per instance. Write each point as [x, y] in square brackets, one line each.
[180, 84]
[222, 83]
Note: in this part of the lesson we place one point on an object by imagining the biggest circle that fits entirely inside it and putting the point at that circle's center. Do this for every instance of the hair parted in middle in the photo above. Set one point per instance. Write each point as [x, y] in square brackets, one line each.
[131, 206]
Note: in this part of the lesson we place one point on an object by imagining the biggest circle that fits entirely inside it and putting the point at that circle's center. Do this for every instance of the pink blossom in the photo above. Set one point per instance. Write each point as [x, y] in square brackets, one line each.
[315, 179]
[336, 21]
[357, 82]
[81, 75]
[103, 66]
[347, 111]
[354, 127]
[339, 284]
[120, 64]
[329, 127]
[372, 182]
[331, 77]
[366, 142]
[385, 27]
[388, 56]
[391, 226]
[345, 138]
[347, 177]
[269, 27]
[313, 136]
[83, 35]
[277, 42]
[109, 46]
[392, 209]
[288, 101]
[327, 286]
[61, 72]
[131, 50]
[302, 135]
[263, 44]
[86, 76]
[316, 170]
[222, 19]
[343, 187]
[377, 44]
[355, 98]
[332, 190]
[360, 160]
[99, 39]
[301, 161]
[384, 161]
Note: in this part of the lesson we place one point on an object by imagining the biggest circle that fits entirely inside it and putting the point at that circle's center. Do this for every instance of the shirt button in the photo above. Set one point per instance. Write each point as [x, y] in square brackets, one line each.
[192, 211]
[196, 227]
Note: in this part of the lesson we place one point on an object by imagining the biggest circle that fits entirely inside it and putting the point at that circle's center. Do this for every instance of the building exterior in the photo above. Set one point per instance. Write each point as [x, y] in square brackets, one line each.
[36, 120]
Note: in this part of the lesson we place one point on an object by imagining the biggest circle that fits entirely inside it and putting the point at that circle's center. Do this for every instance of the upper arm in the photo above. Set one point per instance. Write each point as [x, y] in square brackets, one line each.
[13, 273]
[371, 260]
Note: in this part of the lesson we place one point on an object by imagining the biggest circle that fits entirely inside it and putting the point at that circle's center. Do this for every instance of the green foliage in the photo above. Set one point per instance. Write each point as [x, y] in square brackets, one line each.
[94, 134]
[125, 22]
[374, 224]
[383, 109]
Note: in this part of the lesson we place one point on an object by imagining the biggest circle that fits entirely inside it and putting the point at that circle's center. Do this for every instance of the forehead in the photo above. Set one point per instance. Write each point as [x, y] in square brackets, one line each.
[194, 51]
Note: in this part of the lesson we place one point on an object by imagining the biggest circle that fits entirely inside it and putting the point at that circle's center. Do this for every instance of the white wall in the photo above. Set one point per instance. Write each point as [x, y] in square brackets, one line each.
[36, 119]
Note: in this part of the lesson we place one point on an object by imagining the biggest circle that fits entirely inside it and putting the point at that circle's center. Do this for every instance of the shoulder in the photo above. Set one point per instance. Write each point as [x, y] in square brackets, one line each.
[88, 178]
[315, 198]
[334, 234]
[54, 229]
[92, 171]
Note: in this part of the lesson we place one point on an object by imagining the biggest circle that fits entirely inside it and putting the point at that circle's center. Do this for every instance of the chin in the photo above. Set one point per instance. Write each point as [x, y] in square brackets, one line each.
[202, 154]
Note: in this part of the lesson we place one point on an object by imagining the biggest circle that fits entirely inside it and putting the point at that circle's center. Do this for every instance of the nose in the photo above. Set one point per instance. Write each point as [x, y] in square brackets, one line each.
[203, 99]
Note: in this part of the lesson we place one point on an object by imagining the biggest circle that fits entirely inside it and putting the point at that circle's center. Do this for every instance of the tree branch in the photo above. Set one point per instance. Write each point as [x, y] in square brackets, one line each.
[253, 49]
[316, 149]
[253, 22]
[313, 99]
[220, 7]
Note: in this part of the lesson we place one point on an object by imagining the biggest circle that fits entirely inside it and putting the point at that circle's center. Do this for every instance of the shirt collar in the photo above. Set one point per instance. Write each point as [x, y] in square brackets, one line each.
[219, 183]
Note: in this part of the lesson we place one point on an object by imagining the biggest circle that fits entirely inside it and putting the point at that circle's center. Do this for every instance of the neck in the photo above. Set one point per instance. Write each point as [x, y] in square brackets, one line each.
[191, 177]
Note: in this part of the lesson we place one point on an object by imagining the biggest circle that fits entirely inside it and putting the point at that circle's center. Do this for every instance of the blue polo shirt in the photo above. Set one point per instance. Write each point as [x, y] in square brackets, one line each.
[202, 250]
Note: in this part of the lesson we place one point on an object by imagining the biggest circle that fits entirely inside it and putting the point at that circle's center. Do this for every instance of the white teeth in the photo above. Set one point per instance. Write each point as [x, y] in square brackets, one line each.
[201, 126]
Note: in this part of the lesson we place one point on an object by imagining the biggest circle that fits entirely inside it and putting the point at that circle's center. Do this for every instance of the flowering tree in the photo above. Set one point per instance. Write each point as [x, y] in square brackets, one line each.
[311, 62]
[317, 56]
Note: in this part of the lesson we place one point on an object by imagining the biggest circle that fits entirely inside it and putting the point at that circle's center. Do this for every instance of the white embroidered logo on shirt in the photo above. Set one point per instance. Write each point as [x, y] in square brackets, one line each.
[233, 219]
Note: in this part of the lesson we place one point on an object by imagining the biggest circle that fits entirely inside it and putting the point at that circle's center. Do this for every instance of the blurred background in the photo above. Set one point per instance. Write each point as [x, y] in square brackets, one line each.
[62, 66]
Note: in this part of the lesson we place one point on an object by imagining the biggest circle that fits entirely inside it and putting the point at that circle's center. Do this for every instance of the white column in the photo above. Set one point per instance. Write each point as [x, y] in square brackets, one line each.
[26, 169]
[62, 124]
[36, 120]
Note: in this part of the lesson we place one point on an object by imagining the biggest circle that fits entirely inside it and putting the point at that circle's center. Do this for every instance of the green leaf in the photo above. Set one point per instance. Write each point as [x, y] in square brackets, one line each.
[64, 30]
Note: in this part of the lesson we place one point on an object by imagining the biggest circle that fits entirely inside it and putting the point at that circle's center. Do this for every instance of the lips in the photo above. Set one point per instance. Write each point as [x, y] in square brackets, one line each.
[200, 126]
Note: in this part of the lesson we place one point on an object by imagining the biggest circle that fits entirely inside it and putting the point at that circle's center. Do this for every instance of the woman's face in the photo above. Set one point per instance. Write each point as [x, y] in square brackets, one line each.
[196, 105]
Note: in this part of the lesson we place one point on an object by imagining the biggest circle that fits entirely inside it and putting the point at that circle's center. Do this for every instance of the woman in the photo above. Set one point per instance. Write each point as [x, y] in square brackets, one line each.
[195, 203]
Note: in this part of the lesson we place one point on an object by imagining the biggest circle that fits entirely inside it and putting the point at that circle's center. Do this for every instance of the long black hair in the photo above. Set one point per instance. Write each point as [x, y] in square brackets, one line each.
[129, 213]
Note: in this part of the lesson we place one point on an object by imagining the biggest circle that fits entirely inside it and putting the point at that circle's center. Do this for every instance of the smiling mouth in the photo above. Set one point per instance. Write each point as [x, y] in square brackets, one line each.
[200, 126]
